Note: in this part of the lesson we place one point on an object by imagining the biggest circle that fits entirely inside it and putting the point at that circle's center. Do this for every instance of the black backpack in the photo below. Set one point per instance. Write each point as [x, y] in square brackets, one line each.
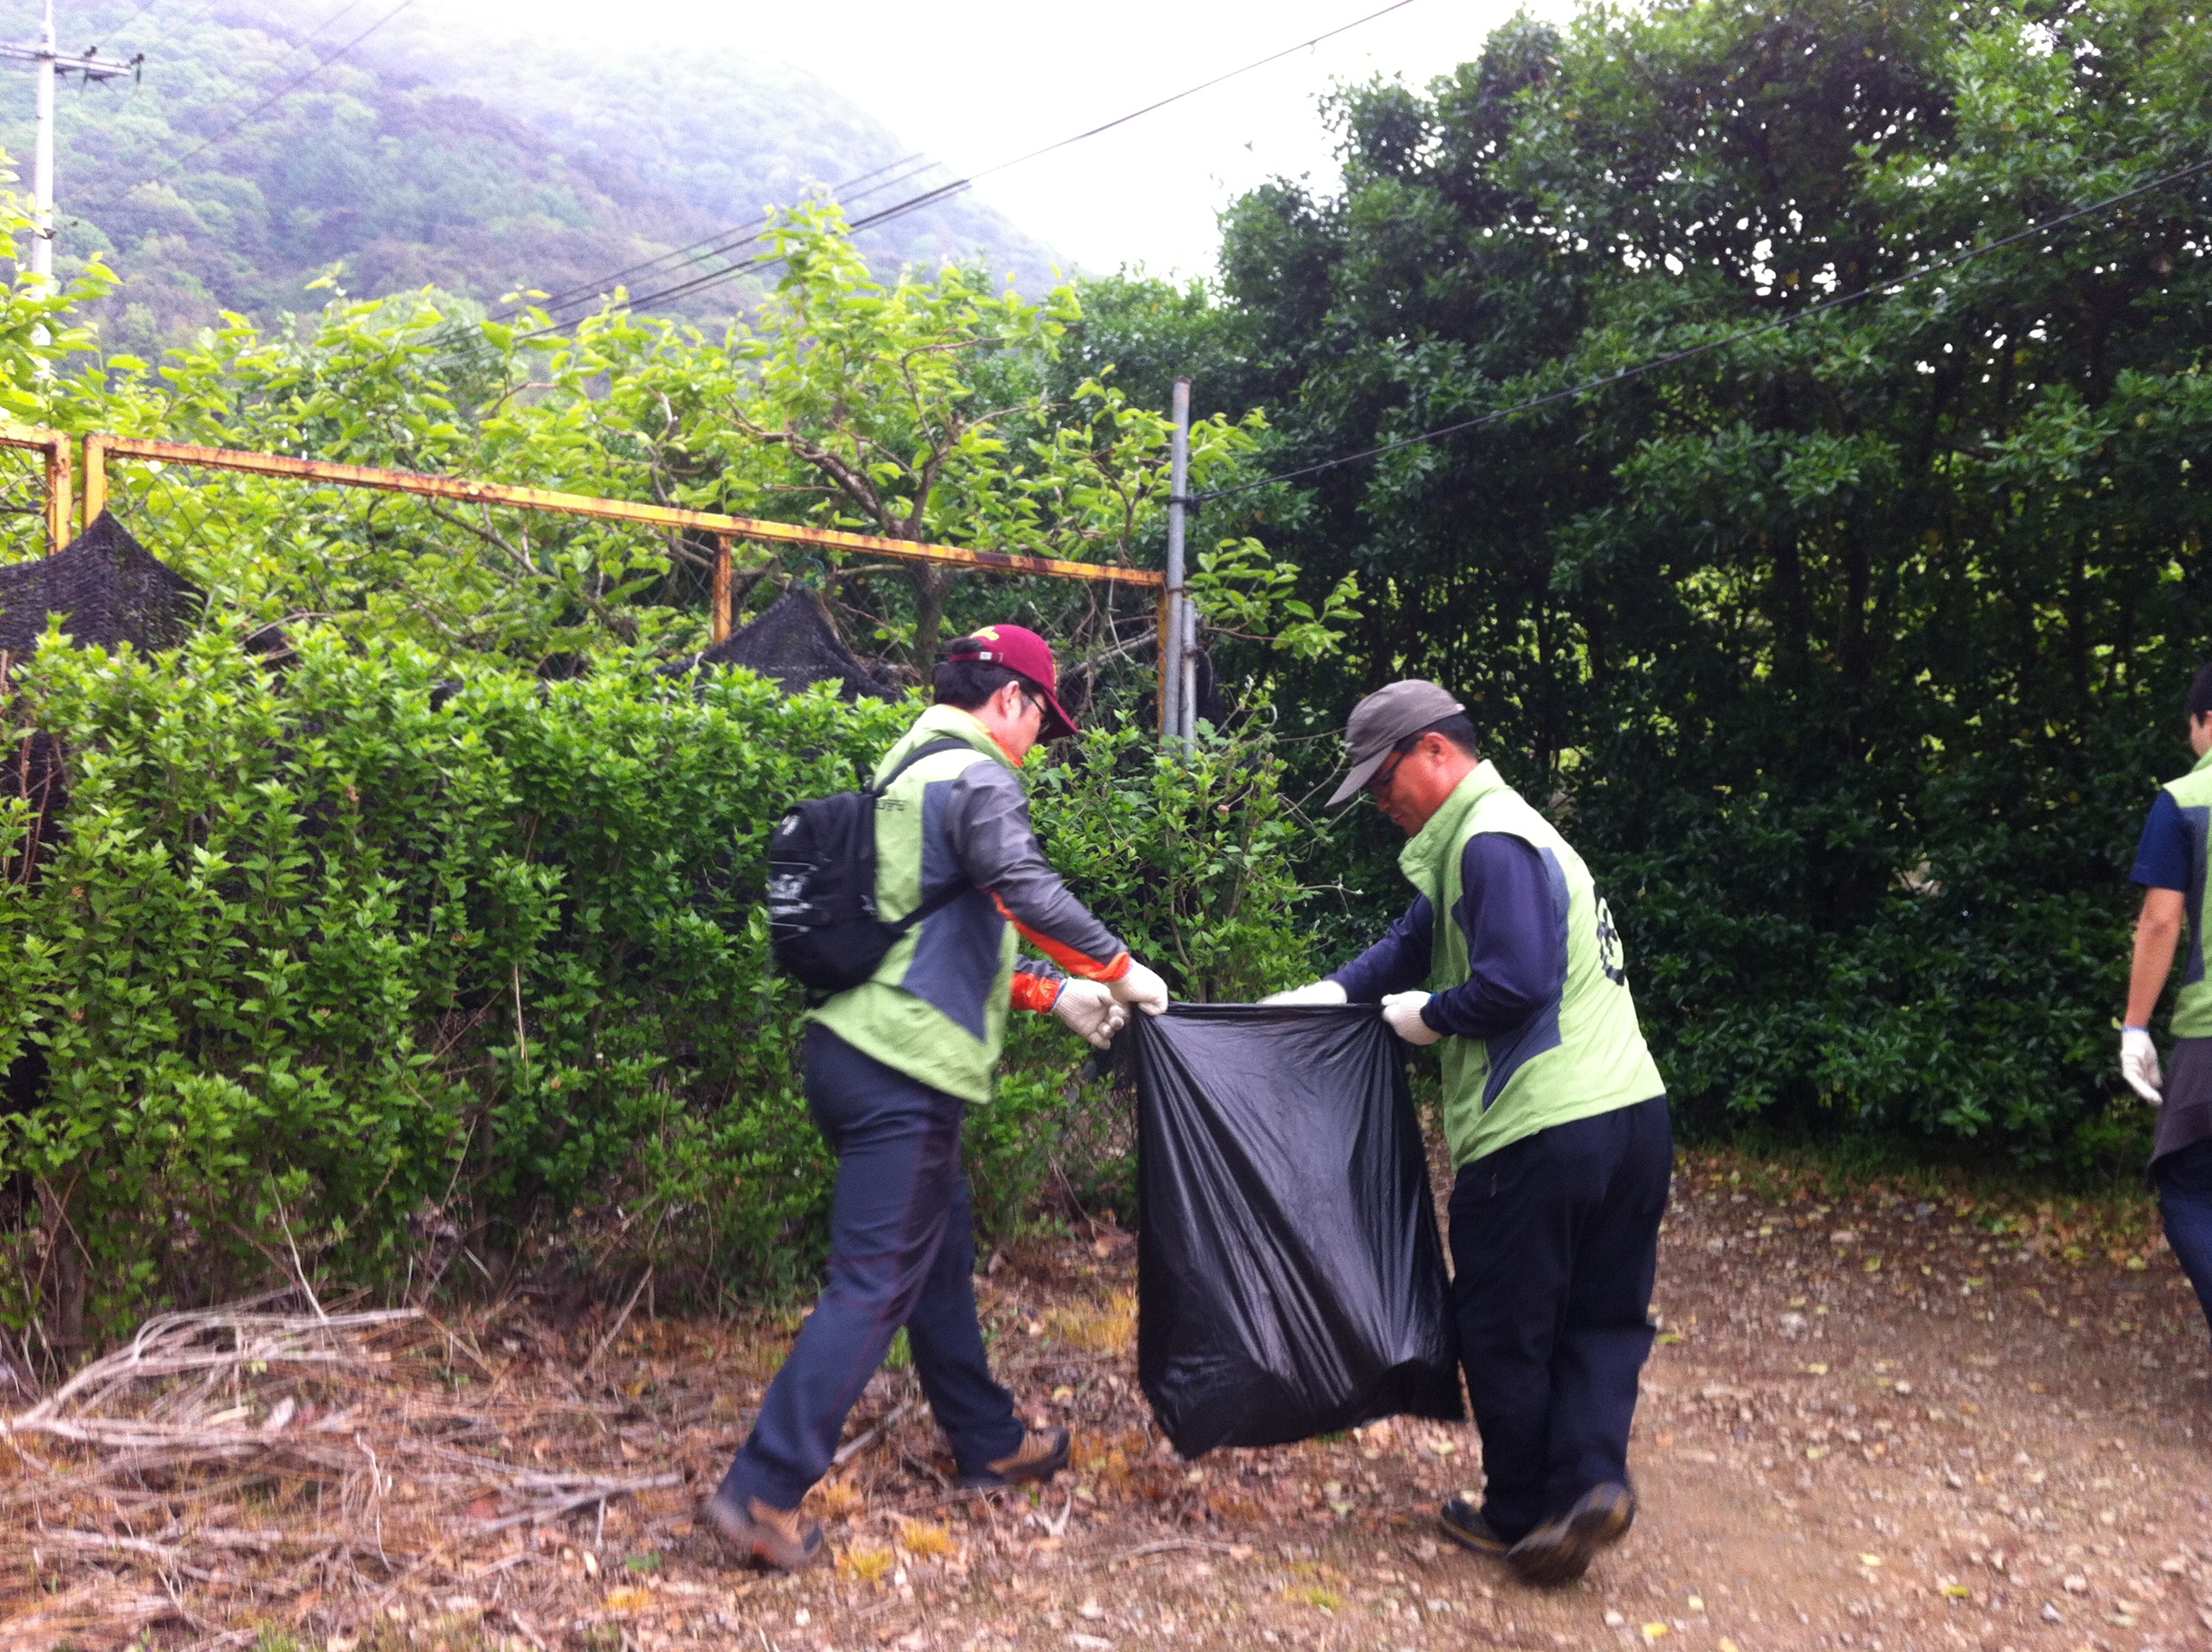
[822, 921]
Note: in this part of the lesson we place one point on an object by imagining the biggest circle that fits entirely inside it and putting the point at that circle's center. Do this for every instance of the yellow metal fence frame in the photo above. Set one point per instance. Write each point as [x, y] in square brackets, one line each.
[56, 447]
[101, 451]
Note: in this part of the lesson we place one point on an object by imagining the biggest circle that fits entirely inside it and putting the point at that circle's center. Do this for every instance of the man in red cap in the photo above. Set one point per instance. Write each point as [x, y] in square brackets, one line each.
[891, 1066]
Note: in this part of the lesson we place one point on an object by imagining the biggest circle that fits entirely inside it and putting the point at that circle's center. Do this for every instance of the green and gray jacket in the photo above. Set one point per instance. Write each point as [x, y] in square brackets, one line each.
[1541, 1029]
[936, 1008]
[2193, 1006]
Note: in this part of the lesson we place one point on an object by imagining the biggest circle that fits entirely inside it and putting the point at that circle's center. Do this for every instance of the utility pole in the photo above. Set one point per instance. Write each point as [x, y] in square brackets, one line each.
[1177, 670]
[46, 63]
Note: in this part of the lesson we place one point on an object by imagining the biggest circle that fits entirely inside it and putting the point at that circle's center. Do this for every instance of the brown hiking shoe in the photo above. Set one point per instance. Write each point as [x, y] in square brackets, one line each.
[1043, 1454]
[779, 1538]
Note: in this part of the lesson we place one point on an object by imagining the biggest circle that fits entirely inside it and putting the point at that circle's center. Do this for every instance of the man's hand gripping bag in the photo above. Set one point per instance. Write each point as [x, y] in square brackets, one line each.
[1290, 1279]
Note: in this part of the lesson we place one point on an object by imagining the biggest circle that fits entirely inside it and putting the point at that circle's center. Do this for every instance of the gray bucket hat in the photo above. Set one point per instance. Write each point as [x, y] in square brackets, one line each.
[1380, 721]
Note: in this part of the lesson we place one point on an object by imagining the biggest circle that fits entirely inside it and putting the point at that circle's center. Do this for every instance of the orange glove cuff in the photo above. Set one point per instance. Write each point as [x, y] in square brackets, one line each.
[1037, 993]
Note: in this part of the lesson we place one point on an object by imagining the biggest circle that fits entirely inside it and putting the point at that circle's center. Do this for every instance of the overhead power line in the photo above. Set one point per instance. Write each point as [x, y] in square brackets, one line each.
[1673, 358]
[668, 295]
[723, 242]
[960, 185]
[873, 220]
[170, 30]
[140, 10]
[287, 88]
[1190, 91]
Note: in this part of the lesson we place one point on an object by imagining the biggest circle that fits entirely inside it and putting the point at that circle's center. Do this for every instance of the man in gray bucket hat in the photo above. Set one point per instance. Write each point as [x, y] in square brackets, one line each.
[1508, 962]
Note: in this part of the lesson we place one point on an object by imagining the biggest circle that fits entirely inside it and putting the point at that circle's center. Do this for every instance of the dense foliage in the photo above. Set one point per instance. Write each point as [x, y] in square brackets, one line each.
[408, 917]
[357, 967]
[405, 920]
[1854, 649]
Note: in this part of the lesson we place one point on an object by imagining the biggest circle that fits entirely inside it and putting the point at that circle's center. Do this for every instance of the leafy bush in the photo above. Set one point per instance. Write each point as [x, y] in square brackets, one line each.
[358, 965]
[1187, 859]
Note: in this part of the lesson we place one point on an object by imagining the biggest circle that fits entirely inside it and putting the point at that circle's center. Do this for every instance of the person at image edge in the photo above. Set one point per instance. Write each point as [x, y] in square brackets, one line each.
[2170, 867]
[891, 1066]
[1555, 1114]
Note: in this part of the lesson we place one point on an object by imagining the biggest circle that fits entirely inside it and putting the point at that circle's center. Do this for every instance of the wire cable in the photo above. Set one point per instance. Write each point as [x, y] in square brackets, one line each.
[960, 185]
[898, 209]
[710, 245]
[287, 88]
[2043, 227]
[170, 30]
[138, 11]
[874, 220]
[704, 246]
[1190, 91]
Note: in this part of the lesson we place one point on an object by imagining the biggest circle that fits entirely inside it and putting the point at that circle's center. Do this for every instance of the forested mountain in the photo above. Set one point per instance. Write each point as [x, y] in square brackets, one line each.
[430, 154]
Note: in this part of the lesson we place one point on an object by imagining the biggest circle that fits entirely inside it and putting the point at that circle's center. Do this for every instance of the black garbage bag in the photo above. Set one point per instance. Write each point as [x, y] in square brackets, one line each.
[1290, 1281]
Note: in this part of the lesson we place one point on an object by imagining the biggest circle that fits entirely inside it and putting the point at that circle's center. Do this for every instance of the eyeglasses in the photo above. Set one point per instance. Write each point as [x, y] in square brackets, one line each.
[1379, 786]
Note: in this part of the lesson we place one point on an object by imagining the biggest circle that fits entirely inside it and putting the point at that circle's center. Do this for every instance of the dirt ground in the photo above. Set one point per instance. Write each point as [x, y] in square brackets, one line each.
[1870, 1423]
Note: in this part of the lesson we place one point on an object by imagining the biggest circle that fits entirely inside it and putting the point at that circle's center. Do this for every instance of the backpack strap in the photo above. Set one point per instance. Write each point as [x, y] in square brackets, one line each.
[945, 897]
[928, 748]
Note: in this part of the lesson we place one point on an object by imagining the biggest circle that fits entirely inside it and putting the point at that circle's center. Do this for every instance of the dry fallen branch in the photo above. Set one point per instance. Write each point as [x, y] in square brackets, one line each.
[583, 1498]
[356, 1421]
[102, 1613]
[859, 1442]
[174, 1344]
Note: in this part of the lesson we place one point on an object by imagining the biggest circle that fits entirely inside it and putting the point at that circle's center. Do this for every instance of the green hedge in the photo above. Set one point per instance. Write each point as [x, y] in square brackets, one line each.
[353, 961]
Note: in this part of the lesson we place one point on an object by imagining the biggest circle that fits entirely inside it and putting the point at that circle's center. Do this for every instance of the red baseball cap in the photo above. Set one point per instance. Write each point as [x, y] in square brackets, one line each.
[1028, 656]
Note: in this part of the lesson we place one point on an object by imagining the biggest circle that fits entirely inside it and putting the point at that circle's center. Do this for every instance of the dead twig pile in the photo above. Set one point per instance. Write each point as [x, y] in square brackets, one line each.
[231, 1464]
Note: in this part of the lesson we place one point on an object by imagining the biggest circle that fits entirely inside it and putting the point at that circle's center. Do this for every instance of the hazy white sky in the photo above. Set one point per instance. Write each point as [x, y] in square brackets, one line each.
[984, 81]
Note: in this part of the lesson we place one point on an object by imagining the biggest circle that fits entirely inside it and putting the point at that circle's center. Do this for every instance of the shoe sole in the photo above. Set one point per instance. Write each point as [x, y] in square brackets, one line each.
[1583, 1532]
[757, 1546]
[991, 1481]
[1007, 1482]
[1493, 1547]
[776, 1558]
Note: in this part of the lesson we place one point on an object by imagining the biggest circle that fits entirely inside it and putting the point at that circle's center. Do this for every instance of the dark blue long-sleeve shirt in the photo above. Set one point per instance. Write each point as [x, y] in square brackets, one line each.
[1513, 911]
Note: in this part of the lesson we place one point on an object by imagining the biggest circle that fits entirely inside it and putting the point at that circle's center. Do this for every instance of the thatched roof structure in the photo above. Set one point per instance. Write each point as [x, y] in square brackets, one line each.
[108, 588]
[793, 642]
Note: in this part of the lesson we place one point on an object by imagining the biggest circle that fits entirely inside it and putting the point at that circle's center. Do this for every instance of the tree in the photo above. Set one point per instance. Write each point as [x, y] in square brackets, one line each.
[1850, 647]
[923, 409]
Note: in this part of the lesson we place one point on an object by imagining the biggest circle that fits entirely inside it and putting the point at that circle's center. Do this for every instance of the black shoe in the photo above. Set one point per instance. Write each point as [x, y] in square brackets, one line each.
[1465, 1525]
[1042, 1455]
[1559, 1551]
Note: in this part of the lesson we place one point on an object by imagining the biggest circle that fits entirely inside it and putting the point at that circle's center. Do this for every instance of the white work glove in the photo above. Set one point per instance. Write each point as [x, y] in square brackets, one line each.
[1139, 986]
[1403, 1011]
[1089, 1008]
[2139, 1064]
[1317, 992]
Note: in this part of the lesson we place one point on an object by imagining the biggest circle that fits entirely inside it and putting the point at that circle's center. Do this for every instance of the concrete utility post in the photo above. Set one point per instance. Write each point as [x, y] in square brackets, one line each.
[1177, 670]
[45, 62]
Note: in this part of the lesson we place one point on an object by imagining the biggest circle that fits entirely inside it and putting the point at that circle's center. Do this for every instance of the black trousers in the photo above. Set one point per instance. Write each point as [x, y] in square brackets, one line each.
[902, 1252]
[1554, 1242]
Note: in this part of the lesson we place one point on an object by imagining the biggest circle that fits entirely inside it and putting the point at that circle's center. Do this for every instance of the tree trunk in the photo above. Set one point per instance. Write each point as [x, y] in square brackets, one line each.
[931, 586]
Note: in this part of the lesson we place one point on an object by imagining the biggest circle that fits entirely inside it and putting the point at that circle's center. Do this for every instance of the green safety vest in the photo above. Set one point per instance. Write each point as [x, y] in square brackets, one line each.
[2192, 1008]
[936, 1008]
[1583, 1053]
